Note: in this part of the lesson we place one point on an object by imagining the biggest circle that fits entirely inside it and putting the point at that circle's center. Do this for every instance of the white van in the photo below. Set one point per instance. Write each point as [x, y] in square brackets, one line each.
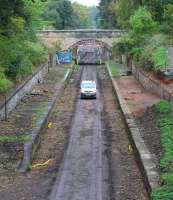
[88, 89]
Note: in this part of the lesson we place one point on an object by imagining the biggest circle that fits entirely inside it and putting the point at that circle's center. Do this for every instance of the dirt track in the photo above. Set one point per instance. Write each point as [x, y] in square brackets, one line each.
[82, 174]
[97, 164]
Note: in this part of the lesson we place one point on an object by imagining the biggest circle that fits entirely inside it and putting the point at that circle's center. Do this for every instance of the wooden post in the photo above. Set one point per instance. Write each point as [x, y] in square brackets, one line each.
[48, 66]
[5, 95]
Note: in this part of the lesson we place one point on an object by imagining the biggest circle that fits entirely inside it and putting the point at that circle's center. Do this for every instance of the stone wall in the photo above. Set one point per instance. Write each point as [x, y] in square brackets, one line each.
[18, 94]
[152, 85]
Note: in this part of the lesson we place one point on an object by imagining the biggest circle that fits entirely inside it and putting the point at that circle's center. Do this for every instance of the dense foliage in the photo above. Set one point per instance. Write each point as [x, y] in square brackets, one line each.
[62, 14]
[107, 17]
[149, 27]
[145, 21]
[161, 11]
[20, 49]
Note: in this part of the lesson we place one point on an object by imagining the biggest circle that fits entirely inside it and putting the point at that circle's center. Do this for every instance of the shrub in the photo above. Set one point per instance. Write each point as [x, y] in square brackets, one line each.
[4, 83]
[160, 58]
[165, 123]
[163, 193]
[19, 68]
[163, 107]
[36, 52]
[149, 52]
[168, 178]
[125, 45]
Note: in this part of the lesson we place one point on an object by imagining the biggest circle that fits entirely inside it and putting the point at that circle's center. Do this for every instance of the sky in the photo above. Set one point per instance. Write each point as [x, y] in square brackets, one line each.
[87, 2]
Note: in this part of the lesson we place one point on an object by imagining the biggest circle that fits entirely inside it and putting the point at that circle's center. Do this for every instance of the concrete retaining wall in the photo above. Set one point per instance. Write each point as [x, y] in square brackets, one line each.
[18, 94]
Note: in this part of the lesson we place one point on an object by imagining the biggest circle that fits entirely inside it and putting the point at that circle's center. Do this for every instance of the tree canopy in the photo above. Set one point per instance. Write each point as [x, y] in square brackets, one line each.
[62, 14]
[107, 16]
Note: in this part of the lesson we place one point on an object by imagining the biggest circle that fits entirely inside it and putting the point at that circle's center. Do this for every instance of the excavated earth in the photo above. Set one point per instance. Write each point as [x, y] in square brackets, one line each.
[147, 123]
[87, 149]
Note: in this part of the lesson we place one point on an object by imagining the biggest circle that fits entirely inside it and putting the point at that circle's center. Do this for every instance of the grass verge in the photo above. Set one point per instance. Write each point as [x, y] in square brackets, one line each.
[113, 68]
[21, 138]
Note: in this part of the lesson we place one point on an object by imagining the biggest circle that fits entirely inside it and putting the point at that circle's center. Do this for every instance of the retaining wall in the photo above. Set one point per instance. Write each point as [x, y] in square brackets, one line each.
[25, 87]
[152, 85]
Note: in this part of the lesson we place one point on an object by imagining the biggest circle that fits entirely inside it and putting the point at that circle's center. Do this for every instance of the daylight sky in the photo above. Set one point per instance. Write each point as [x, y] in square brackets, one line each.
[87, 2]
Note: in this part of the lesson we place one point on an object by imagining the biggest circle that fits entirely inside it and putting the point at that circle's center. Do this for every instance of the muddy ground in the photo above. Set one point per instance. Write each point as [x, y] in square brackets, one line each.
[98, 163]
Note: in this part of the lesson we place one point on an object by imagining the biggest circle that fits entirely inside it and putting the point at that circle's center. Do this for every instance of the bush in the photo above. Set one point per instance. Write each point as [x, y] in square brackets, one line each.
[160, 58]
[165, 123]
[36, 52]
[19, 68]
[163, 107]
[148, 54]
[163, 193]
[125, 45]
[167, 144]
[4, 83]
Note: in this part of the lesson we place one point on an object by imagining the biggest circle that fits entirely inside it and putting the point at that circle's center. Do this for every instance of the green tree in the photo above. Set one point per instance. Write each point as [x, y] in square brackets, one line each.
[107, 17]
[20, 19]
[141, 22]
[60, 14]
[124, 10]
[83, 15]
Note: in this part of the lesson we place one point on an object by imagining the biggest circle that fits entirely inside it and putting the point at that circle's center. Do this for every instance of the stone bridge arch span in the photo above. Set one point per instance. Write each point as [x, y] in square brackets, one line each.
[66, 38]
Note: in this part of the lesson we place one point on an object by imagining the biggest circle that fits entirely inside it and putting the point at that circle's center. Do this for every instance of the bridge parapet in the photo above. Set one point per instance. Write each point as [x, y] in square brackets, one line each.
[98, 33]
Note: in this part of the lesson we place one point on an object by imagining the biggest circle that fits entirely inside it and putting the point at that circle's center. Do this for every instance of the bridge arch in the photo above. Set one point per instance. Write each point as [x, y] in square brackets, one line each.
[105, 47]
[90, 41]
[72, 42]
[67, 38]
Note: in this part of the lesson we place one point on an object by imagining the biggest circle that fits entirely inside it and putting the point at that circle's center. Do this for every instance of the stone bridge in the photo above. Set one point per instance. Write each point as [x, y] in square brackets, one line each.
[69, 38]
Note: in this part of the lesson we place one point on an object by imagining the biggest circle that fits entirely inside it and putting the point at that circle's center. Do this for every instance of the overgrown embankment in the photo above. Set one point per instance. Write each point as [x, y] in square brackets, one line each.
[165, 124]
[20, 49]
[156, 128]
